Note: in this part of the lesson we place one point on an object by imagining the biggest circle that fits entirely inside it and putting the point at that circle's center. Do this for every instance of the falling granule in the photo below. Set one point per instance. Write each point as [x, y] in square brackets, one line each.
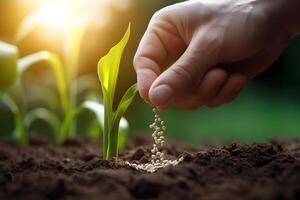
[157, 156]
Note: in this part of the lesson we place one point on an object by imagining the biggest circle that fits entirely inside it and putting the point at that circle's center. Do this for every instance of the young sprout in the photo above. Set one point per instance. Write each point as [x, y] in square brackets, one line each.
[108, 69]
[62, 123]
[157, 160]
[13, 68]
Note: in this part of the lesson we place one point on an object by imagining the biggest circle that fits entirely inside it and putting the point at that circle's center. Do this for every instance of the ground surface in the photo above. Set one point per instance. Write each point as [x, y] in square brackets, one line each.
[76, 171]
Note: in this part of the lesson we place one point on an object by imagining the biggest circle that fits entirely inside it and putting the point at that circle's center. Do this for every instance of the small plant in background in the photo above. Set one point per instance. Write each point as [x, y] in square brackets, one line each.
[8, 77]
[61, 123]
[108, 69]
[158, 159]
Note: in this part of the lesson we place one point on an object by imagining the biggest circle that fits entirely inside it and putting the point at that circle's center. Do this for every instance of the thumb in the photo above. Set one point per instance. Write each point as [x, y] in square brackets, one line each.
[181, 78]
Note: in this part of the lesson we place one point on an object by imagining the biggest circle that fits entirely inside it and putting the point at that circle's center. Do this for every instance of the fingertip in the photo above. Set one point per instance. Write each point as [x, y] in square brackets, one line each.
[161, 95]
[145, 78]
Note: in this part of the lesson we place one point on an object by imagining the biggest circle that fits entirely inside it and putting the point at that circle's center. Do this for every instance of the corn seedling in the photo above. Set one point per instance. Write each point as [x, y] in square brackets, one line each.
[108, 69]
[157, 160]
[13, 69]
[8, 76]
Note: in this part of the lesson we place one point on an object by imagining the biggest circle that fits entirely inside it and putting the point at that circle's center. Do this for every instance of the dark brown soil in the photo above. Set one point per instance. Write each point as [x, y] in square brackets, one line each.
[76, 171]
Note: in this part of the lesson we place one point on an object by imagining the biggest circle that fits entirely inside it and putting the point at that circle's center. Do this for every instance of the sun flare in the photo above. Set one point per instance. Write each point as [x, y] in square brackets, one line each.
[56, 16]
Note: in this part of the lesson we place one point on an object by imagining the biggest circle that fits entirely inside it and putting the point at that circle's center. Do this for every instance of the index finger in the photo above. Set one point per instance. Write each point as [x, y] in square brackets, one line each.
[160, 46]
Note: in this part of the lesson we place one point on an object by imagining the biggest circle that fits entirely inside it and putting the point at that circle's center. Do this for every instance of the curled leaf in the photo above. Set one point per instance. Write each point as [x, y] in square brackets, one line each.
[55, 63]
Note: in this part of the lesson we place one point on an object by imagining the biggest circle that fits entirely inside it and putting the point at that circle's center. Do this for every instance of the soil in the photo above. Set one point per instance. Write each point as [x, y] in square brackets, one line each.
[76, 170]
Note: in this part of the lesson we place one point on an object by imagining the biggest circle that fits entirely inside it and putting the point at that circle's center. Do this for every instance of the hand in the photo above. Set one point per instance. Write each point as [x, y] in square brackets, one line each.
[203, 52]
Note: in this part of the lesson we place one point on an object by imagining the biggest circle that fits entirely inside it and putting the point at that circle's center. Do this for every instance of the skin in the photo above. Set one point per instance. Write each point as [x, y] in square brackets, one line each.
[204, 52]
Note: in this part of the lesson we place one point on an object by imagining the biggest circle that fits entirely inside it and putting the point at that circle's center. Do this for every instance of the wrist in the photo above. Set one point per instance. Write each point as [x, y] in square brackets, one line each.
[283, 14]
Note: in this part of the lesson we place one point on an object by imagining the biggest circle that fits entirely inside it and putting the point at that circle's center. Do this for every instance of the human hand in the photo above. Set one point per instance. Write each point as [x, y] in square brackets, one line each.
[203, 52]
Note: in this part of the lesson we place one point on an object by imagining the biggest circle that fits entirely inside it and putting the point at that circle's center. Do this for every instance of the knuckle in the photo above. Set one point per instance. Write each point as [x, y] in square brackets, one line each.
[160, 14]
[210, 40]
[136, 60]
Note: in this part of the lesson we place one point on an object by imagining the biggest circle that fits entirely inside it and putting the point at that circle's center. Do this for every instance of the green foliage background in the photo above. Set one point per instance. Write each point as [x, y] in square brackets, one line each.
[268, 108]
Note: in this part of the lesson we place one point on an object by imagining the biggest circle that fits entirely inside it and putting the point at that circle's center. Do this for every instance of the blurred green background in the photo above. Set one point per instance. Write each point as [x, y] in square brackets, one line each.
[268, 108]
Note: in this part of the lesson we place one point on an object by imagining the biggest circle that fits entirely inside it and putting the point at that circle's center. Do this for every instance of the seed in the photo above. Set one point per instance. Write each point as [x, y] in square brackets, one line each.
[157, 160]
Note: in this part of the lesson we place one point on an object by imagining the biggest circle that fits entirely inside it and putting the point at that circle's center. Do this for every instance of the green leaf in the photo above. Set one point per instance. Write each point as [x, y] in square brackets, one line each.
[8, 65]
[54, 62]
[125, 102]
[108, 66]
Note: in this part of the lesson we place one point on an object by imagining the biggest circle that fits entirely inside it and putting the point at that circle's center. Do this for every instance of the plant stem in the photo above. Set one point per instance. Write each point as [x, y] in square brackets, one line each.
[21, 133]
[105, 134]
[108, 120]
[113, 142]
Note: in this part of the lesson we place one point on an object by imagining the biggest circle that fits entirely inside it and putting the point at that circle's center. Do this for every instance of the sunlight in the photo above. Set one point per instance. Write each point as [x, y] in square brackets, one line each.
[59, 18]
[55, 16]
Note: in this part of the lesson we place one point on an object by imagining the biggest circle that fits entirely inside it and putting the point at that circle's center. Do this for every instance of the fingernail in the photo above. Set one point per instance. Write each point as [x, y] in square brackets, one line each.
[161, 95]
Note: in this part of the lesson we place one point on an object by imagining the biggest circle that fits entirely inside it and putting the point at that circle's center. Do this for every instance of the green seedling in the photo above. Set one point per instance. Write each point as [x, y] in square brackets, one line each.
[24, 120]
[8, 74]
[108, 70]
[67, 89]
[113, 127]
